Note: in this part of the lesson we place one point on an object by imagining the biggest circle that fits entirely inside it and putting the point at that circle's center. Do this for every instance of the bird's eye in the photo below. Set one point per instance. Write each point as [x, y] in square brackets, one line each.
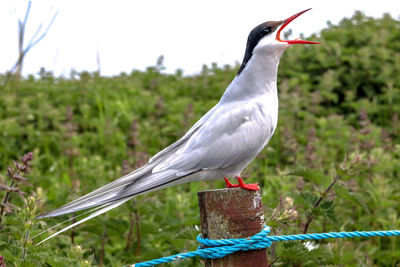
[267, 30]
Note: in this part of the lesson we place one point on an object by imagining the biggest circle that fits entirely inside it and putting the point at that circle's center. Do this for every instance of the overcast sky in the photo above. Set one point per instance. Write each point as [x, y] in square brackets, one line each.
[132, 34]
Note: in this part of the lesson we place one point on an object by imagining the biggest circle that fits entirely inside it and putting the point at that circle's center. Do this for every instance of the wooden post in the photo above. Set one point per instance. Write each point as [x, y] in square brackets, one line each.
[232, 213]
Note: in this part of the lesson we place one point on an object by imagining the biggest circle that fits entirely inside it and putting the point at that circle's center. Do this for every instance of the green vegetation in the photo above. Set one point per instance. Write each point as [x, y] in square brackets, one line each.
[339, 123]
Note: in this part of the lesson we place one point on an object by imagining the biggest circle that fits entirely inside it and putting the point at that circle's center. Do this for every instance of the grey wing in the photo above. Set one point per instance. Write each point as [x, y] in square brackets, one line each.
[232, 136]
[140, 180]
[174, 146]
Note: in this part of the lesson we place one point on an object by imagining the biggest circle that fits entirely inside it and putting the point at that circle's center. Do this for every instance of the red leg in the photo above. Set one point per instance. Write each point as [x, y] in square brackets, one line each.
[241, 184]
[229, 184]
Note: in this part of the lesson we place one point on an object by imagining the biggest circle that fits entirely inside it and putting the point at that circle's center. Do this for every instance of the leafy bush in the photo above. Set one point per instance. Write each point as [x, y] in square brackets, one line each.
[339, 124]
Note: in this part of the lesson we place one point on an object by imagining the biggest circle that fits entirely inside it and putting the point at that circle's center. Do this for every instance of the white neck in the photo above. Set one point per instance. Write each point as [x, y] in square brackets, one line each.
[259, 76]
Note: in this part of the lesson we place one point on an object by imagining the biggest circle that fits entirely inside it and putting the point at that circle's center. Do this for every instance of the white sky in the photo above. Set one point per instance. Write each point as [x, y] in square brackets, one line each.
[132, 34]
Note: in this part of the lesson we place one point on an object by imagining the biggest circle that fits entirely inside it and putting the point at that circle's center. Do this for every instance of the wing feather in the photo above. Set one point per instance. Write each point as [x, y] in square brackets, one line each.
[173, 147]
[230, 136]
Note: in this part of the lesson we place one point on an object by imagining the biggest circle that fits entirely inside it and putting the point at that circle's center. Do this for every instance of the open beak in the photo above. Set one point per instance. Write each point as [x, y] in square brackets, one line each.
[285, 23]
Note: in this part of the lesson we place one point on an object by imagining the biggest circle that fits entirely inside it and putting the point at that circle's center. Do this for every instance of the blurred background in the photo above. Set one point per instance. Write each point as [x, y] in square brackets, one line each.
[89, 90]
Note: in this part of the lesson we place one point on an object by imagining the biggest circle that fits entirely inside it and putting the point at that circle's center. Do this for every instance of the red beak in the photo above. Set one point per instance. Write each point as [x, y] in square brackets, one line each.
[285, 23]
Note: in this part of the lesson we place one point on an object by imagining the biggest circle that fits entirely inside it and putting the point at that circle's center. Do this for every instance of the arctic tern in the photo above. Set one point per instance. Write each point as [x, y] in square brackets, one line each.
[221, 144]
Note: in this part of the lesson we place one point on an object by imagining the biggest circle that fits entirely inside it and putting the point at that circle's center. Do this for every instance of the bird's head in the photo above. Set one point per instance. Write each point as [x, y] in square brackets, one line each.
[266, 38]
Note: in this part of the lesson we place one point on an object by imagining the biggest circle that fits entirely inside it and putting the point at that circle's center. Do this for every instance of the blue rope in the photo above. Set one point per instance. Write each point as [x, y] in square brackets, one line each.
[213, 249]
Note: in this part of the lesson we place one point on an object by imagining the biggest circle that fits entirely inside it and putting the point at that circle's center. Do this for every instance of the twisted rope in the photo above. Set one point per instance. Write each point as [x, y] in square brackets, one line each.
[213, 249]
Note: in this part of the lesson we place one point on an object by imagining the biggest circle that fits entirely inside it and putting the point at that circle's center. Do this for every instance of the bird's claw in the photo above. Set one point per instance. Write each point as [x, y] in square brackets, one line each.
[241, 184]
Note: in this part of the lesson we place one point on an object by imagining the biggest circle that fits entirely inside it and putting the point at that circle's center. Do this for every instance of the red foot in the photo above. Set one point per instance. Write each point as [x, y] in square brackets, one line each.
[241, 184]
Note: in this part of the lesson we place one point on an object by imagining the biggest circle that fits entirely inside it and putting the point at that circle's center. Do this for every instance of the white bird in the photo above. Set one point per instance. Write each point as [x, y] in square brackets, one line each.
[221, 144]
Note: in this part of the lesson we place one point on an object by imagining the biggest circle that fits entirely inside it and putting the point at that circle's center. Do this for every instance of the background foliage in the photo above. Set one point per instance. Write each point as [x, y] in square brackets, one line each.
[339, 123]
